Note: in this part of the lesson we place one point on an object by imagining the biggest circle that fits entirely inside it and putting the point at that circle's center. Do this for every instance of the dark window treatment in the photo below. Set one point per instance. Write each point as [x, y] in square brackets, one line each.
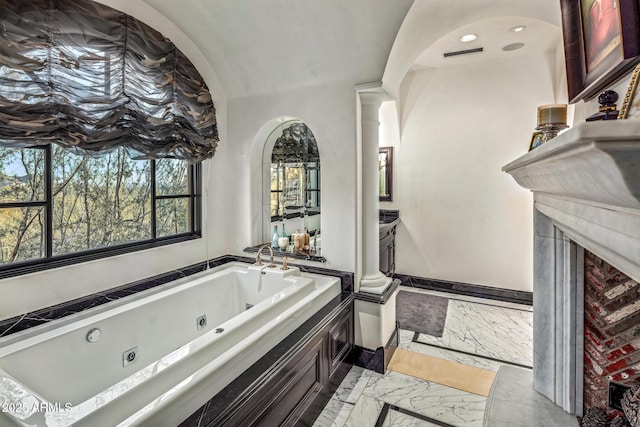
[91, 78]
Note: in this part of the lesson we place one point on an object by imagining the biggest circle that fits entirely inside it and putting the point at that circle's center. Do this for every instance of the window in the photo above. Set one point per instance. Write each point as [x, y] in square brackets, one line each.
[295, 187]
[56, 205]
[82, 86]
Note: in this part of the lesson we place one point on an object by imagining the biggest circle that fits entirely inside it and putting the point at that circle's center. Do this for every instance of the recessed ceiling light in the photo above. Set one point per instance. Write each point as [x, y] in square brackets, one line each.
[518, 28]
[512, 46]
[468, 38]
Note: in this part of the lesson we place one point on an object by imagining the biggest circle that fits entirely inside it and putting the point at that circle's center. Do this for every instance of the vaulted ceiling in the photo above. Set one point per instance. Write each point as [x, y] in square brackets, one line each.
[257, 47]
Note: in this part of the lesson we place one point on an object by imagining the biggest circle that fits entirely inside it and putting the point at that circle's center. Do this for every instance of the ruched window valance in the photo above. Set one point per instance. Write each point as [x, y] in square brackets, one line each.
[297, 144]
[88, 77]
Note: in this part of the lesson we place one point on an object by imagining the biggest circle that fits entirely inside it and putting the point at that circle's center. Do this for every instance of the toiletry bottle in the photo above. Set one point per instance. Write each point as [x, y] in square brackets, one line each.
[274, 239]
[316, 244]
[298, 240]
[307, 239]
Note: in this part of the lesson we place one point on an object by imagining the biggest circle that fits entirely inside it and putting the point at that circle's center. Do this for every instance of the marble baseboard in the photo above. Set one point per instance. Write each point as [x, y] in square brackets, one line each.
[49, 314]
[478, 291]
[379, 298]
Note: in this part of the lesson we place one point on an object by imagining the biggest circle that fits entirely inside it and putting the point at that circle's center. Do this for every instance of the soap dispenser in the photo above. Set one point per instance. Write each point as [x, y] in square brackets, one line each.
[283, 240]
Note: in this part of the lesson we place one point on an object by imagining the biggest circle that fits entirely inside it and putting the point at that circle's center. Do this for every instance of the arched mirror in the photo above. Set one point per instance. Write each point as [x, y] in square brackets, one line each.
[294, 187]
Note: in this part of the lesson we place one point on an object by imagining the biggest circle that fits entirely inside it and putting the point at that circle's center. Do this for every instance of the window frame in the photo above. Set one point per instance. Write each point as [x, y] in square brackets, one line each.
[49, 261]
[308, 190]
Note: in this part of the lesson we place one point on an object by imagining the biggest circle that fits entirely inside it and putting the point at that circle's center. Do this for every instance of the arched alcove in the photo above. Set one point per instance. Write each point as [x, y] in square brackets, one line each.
[291, 179]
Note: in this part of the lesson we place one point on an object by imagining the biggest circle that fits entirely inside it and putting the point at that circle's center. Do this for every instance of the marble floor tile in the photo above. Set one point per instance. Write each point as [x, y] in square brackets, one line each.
[365, 412]
[497, 332]
[433, 400]
[404, 339]
[334, 414]
[398, 419]
[455, 356]
[487, 328]
[353, 384]
[339, 407]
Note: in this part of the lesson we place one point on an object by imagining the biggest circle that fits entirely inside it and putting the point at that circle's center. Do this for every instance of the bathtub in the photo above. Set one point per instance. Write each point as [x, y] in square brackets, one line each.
[155, 357]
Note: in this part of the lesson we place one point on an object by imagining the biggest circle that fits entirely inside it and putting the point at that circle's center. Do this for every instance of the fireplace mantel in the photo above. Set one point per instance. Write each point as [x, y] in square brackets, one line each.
[586, 186]
[587, 181]
[598, 162]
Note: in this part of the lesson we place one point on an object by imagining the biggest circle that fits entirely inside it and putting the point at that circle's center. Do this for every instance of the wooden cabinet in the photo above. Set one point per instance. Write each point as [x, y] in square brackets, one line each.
[340, 340]
[388, 248]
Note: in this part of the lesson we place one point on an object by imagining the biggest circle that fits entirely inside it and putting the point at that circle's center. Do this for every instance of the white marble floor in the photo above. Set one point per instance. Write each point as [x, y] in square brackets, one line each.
[478, 332]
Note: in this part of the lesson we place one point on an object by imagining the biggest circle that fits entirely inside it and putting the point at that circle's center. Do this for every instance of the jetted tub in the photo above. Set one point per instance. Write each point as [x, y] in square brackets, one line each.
[151, 359]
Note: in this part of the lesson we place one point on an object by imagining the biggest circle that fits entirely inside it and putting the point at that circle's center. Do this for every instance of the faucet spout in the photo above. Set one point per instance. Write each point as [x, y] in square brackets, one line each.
[259, 256]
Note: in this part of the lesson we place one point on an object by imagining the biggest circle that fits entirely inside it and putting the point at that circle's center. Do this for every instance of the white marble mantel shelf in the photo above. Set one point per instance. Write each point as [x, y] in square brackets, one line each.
[597, 162]
[587, 182]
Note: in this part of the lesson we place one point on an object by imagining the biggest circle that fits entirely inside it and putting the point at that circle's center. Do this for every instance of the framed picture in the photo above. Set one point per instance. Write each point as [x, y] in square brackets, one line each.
[631, 103]
[601, 43]
[385, 171]
[537, 139]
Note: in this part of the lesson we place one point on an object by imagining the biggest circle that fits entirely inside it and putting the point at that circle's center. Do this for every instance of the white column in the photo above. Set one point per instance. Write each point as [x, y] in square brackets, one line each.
[370, 98]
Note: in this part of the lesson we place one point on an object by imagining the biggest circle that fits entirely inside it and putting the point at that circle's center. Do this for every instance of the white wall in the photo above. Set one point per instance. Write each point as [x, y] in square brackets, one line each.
[233, 196]
[329, 111]
[462, 218]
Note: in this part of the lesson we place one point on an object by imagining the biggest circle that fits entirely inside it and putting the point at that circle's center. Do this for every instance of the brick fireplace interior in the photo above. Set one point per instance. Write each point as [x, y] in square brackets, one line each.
[611, 330]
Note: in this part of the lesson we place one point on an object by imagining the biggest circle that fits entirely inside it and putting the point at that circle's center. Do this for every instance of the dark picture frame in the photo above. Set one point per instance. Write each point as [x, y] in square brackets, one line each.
[385, 169]
[601, 43]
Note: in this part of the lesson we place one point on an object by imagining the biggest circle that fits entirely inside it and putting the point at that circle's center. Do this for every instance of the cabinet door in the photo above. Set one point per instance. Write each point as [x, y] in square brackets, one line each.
[285, 397]
[295, 396]
[340, 340]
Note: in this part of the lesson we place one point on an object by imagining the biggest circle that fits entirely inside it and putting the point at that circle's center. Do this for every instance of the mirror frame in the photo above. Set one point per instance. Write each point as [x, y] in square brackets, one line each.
[388, 175]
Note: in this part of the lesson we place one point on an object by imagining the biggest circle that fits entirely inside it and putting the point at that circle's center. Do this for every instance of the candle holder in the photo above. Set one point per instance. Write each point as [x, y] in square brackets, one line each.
[551, 120]
[550, 131]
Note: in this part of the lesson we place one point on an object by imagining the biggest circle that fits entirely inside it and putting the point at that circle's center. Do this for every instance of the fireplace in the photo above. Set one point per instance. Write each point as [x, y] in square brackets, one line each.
[586, 186]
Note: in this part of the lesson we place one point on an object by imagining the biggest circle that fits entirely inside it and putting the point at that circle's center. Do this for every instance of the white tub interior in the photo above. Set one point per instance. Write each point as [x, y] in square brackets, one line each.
[56, 364]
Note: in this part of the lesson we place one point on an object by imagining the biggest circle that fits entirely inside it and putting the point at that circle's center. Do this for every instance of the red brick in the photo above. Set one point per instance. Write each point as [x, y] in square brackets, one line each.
[614, 367]
[624, 376]
[616, 354]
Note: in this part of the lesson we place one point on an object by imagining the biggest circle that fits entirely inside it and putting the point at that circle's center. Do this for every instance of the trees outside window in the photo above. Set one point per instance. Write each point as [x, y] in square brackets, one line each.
[56, 204]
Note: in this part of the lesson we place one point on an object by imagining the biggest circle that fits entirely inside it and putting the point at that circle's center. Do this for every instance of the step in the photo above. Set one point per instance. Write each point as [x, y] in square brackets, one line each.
[513, 402]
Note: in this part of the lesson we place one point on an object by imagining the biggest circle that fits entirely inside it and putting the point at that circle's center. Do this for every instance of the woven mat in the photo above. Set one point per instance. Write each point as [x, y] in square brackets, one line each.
[452, 374]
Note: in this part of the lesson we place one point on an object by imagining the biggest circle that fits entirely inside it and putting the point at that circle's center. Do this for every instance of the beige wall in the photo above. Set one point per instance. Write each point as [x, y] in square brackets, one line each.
[462, 218]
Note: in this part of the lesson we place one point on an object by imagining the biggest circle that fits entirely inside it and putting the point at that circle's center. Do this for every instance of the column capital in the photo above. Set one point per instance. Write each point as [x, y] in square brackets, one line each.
[373, 93]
